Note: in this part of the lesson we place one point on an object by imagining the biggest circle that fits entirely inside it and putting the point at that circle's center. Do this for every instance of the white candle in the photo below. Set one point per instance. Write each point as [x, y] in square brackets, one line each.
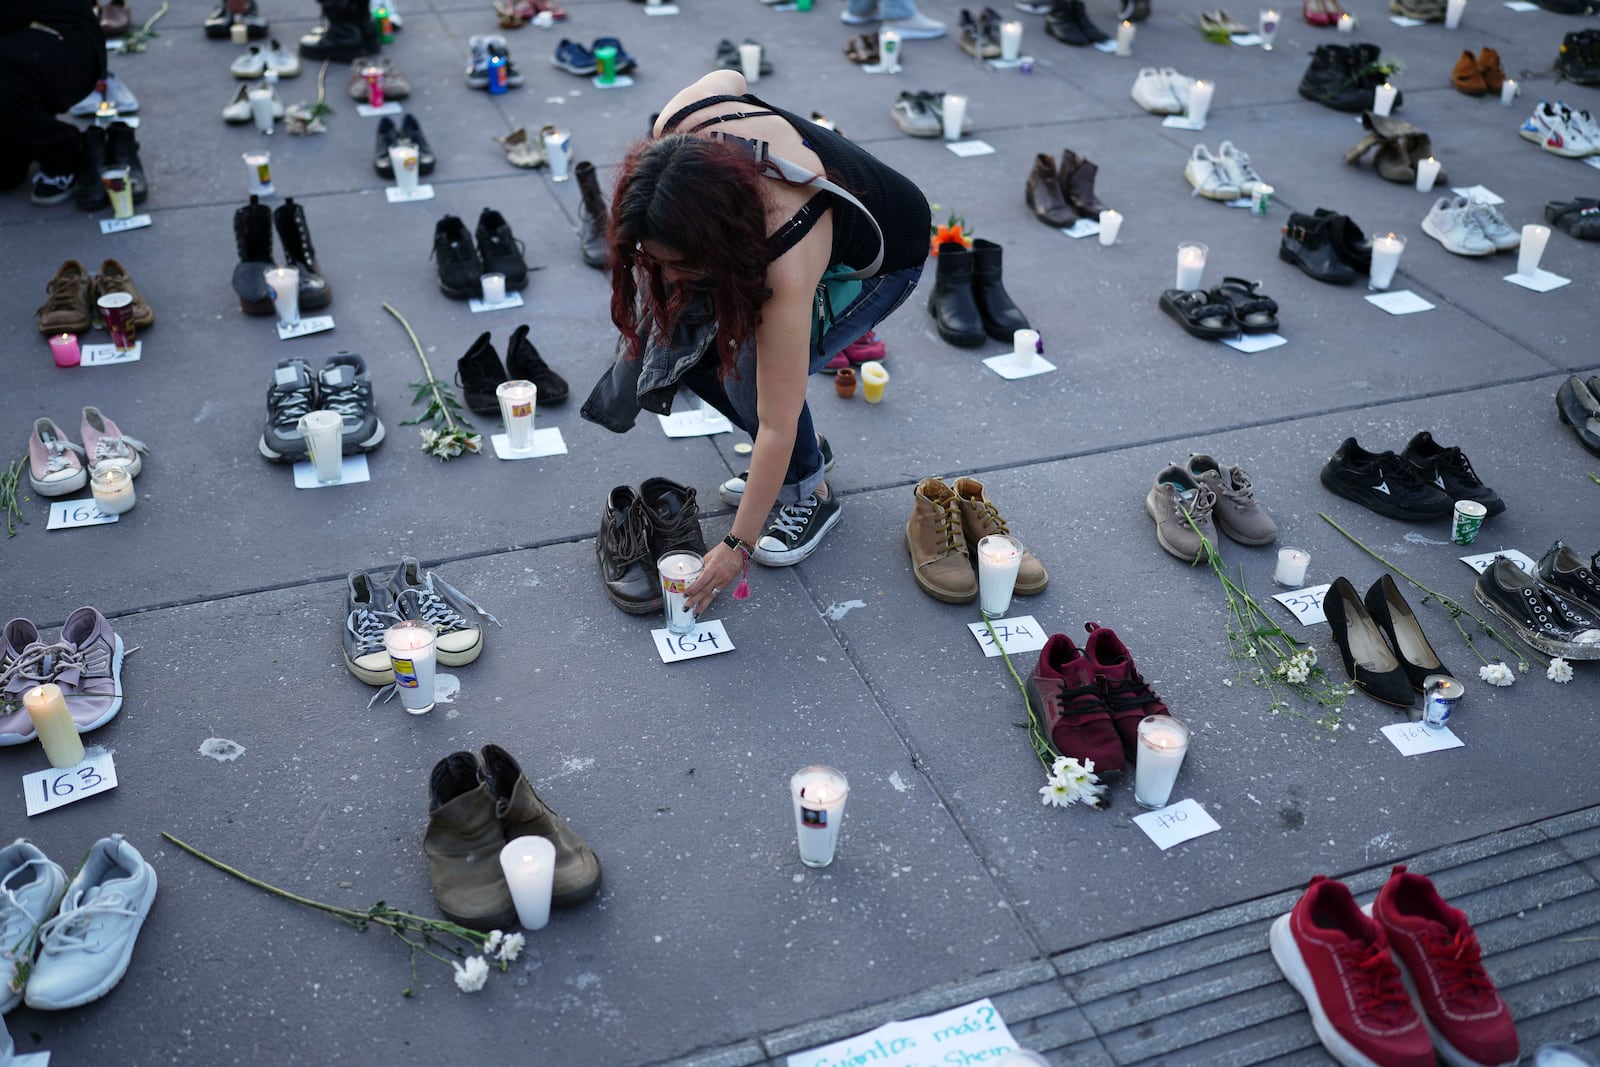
[1268, 28]
[558, 151]
[1010, 40]
[516, 409]
[818, 794]
[412, 651]
[323, 432]
[113, 490]
[529, 864]
[750, 62]
[1452, 13]
[1024, 346]
[53, 722]
[678, 571]
[259, 166]
[1385, 259]
[1200, 101]
[1508, 92]
[1292, 564]
[999, 559]
[889, 50]
[407, 174]
[1191, 265]
[1110, 225]
[261, 108]
[1534, 239]
[1347, 23]
[284, 284]
[1125, 34]
[1427, 174]
[955, 113]
[239, 33]
[1163, 742]
[1383, 99]
[494, 288]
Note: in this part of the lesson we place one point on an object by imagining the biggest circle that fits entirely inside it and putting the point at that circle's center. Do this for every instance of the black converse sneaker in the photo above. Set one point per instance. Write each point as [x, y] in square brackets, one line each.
[1450, 470]
[797, 531]
[1538, 613]
[1385, 483]
[732, 490]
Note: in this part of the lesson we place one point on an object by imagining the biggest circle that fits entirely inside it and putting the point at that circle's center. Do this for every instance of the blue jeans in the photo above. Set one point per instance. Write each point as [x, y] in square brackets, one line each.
[888, 10]
[735, 394]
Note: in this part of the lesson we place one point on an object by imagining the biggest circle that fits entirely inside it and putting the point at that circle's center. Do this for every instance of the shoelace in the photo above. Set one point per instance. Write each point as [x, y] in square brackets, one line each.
[792, 518]
[1199, 508]
[1238, 487]
[1390, 466]
[992, 519]
[71, 929]
[289, 404]
[433, 603]
[1242, 168]
[58, 454]
[1131, 692]
[367, 625]
[1456, 462]
[1460, 963]
[116, 448]
[351, 399]
[951, 537]
[31, 667]
[63, 294]
[631, 537]
[1384, 996]
[11, 910]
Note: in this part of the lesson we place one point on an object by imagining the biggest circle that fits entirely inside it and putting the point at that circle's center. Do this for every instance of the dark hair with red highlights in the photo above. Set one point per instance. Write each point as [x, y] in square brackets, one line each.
[706, 201]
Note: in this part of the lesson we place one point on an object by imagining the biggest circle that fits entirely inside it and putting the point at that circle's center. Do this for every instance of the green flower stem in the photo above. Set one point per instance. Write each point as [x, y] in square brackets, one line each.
[1451, 606]
[1593, 478]
[135, 40]
[1041, 747]
[10, 477]
[439, 404]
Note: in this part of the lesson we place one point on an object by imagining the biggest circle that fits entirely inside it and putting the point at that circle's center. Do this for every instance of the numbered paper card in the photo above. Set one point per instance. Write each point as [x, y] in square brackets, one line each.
[68, 514]
[60, 786]
[1254, 342]
[1400, 302]
[1481, 561]
[315, 324]
[105, 355]
[1413, 738]
[132, 222]
[706, 639]
[1305, 603]
[396, 195]
[701, 422]
[1082, 228]
[970, 148]
[1022, 634]
[388, 107]
[1176, 823]
[968, 1035]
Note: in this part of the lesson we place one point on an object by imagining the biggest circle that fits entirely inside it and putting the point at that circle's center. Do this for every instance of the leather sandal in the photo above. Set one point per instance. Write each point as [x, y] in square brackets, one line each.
[863, 50]
[1253, 311]
[1198, 314]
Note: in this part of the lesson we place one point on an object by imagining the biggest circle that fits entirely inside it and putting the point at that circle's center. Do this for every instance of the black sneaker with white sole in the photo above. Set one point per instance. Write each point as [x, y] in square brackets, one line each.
[343, 386]
[51, 189]
[293, 393]
[1543, 617]
[1450, 470]
[797, 531]
[732, 490]
[1385, 483]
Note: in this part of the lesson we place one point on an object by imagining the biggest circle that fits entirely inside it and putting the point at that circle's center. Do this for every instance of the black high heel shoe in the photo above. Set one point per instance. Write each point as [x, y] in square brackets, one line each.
[1404, 634]
[1369, 662]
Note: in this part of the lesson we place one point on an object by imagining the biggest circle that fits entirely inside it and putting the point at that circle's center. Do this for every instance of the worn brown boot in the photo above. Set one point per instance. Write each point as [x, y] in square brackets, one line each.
[1076, 177]
[114, 278]
[1466, 76]
[592, 217]
[67, 305]
[940, 561]
[522, 814]
[1043, 194]
[980, 518]
[463, 843]
[1494, 76]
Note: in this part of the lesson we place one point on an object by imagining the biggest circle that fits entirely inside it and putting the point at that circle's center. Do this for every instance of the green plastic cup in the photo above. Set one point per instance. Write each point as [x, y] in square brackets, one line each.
[606, 57]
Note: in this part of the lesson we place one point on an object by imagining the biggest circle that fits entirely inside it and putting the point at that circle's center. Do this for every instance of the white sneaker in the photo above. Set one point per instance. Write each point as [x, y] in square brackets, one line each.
[85, 950]
[1495, 229]
[1208, 176]
[281, 61]
[238, 110]
[918, 27]
[1452, 224]
[251, 64]
[1178, 85]
[1585, 125]
[1236, 169]
[1151, 92]
[29, 884]
[1550, 129]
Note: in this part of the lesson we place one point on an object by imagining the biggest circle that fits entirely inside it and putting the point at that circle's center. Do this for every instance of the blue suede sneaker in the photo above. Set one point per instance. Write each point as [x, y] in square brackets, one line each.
[30, 886]
[573, 58]
[85, 950]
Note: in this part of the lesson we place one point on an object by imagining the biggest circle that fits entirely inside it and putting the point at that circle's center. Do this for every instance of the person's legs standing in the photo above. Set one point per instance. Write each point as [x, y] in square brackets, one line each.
[42, 73]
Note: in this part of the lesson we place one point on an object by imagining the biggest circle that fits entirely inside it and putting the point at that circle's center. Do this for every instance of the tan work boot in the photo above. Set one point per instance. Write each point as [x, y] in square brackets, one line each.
[940, 561]
[463, 843]
[523, 814]
[980, 518]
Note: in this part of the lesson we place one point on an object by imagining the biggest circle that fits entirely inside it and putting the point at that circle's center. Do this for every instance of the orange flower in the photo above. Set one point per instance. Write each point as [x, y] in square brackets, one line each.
[951, 233]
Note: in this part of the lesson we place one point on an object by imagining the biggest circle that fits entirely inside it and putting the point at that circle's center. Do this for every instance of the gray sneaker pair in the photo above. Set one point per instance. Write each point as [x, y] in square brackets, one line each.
[410, 592]
[1210, 495]
[85, 661]
[85, 948]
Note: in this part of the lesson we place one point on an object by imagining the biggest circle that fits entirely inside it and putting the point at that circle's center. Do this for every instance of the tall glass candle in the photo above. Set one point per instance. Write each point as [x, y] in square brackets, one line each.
[558, 152]
[1110, 226]
[1200, 102]
[1024, 346]
[1191, 266]
[260, 99]
[1452, 13]
[323, 433]
[406, 161]
[1347, 23]
[678, 571]
[413, 651]
[1125, 34]
[258, 165]
[1385, 260]
[529, 864]
[1163, 742]
[750, 62]
[889, 50]
[1508, 92]
[955, 113]
[516, 408]
[284, 285]
[113, 490]
[1268, 28]
[819, 794]
[1010, 39]
[1531, 251]
[999, 560]
[1383, 99]
[873, 379]
[57, 732]
[1427, 174]
[494, 288]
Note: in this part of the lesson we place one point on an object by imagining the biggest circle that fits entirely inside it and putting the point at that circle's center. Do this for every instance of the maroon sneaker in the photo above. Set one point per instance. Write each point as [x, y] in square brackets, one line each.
[1128, 697]
[88, 668]
[1338, 960]
[1440, 961]
[1065, 691]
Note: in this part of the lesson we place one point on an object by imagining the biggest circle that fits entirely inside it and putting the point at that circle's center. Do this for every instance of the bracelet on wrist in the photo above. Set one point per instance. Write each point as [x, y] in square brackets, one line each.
[739, 544]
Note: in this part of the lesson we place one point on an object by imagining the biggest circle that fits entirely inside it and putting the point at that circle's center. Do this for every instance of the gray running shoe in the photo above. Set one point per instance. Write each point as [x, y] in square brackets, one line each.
[913, 115]
[85, 950]
[344, 386]
[369, 610]
[293, 393]
[87, 665]
[30, 886]
[1494, 226]
[423, 595]
[1172, 501]
[1237, 512]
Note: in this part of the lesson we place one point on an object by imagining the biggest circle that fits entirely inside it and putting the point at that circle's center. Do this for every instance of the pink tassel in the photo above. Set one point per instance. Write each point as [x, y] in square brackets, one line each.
[742, 590]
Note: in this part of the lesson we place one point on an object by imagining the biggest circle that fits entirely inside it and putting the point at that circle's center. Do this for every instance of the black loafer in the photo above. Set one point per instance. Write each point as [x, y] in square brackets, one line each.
[1404, 634]
[1370, 663]
[1199, 314]
[388, 136]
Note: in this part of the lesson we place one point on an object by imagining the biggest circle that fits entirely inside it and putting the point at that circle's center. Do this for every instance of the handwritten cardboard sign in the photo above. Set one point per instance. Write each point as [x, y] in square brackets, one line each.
[971, 1034]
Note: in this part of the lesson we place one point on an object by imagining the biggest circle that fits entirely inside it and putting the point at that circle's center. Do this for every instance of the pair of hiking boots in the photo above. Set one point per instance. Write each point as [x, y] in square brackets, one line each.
[946, 524]
[476, 806]
[1478, 75]
[480, 372]
[252, 235]
[1343, 76]
[1059, 195]
[638, 527]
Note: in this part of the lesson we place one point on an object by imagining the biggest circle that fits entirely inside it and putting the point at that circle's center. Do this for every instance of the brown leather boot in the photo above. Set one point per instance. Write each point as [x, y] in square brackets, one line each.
[1489, 66]
[1076, 178]
[940, 561]
[1466, 76]
[1044, 194]
[463, 843]
[522, 814]
[980, 518]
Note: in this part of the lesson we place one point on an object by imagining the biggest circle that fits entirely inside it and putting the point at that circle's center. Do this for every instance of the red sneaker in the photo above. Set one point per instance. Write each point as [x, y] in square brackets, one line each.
[865, 349]
[1128, 696]
[1338, 960]
[1439, 959]
[1065, 692]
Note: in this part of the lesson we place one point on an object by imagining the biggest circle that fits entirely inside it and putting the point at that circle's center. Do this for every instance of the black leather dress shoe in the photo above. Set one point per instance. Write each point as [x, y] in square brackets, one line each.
[623, 552]
[1370, 663]
[1308, 244]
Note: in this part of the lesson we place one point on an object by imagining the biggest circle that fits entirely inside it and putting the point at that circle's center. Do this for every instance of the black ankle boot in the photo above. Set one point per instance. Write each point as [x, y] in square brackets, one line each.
[1308, 244]
[295, 237]
[478, 373]
[499, 250]
[252, 235]
[1001, 317]
[345, 34]
[1335, 79]
[952, 305]
[1134, 11]
[90, 192]
[1080, 15]
[672, 516]
[523, 361]
[122, 150]
[1062, 23]
[592, 217]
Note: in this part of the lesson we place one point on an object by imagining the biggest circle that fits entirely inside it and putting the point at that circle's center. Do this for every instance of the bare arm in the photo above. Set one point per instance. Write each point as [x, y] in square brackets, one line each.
[717, 83]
